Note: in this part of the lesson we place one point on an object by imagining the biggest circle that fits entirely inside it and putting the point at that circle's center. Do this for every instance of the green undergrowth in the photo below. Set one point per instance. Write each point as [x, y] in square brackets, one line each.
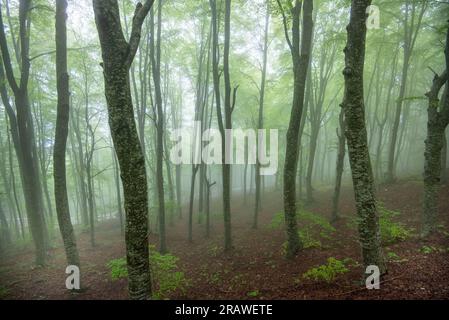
[313, 228]
[330, 271]
[433, 249]
[391, 231]
[166, 276]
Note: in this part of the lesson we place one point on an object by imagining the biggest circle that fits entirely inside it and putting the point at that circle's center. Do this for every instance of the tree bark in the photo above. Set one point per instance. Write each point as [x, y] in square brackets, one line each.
[437, 123]
[356, 135]
[118, 55]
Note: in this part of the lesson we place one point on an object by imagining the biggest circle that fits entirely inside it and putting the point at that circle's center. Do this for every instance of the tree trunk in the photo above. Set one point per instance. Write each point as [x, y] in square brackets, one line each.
[26, 142]
[436, 127]
[118, 55]
[156, 68]
[260, 124]
[356, 135]
[301, 61]
[339, 167]
[62, 131]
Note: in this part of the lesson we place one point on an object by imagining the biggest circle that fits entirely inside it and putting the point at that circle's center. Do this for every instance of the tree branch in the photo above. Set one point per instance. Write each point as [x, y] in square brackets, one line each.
[6, 57]
[234, 98]
[140, 14]
[284, 22]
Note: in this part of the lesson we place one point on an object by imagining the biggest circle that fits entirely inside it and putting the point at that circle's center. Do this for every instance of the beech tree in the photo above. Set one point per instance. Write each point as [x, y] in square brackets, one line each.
[118, 55]
[62, 128]
[356, 135]
[438, 120]
[22, 129]
[300, 52]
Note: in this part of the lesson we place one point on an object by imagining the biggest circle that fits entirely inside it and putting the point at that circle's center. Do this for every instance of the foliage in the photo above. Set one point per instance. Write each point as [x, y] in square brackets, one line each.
[392, 256]
[391, 232]
[327, 272]
[432, 249]
[118, 268]
[164, 269]
[253, 294]
[313, 227]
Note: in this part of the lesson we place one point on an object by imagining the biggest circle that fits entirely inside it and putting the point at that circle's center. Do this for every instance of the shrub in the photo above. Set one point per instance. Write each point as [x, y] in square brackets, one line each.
[391, 232]
[327, 272]
[253, 294]
[312, 228]
[165, 273]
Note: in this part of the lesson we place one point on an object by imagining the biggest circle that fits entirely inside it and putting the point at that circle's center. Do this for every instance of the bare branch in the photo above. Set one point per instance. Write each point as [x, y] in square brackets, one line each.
[284, 22]
[140, 14]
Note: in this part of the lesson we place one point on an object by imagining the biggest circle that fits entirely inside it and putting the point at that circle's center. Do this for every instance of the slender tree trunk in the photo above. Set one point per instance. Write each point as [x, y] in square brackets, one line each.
[356, 135]
[62, 131]
[340, 166]
[260, 124]
[156, 68]
[301, 61]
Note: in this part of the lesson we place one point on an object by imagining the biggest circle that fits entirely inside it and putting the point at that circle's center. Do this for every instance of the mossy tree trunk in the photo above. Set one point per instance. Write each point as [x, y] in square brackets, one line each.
[357, 140]
[118, 55]
[437, 123]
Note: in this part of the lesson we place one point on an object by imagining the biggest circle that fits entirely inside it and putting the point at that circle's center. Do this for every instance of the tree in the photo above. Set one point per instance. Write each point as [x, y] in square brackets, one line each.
[356, 135]
[301, 59]
[225, 124]
[118, 55]
[412, 25]
[340, 166]
[156, 69]
[438, 120]
[229, 104]
[23, 130]
[261, 114]
[62, 131]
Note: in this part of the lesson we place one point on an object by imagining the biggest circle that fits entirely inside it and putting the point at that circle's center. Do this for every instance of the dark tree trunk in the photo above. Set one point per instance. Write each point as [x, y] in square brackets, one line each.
[437, 123]
[62, 131]
[301, 59]
[118, 55]
[118, 193]
[228, 108]
[356, 135]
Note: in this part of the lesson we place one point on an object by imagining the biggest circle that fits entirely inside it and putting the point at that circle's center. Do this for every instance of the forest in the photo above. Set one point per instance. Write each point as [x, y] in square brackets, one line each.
[224, 150]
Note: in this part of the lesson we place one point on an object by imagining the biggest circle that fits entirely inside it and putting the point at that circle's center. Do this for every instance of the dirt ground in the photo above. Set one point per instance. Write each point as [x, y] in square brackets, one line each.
[256, 264]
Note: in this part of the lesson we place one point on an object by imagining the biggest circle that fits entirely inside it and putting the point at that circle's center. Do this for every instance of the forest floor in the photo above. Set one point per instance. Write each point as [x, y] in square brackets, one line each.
[256, 268]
